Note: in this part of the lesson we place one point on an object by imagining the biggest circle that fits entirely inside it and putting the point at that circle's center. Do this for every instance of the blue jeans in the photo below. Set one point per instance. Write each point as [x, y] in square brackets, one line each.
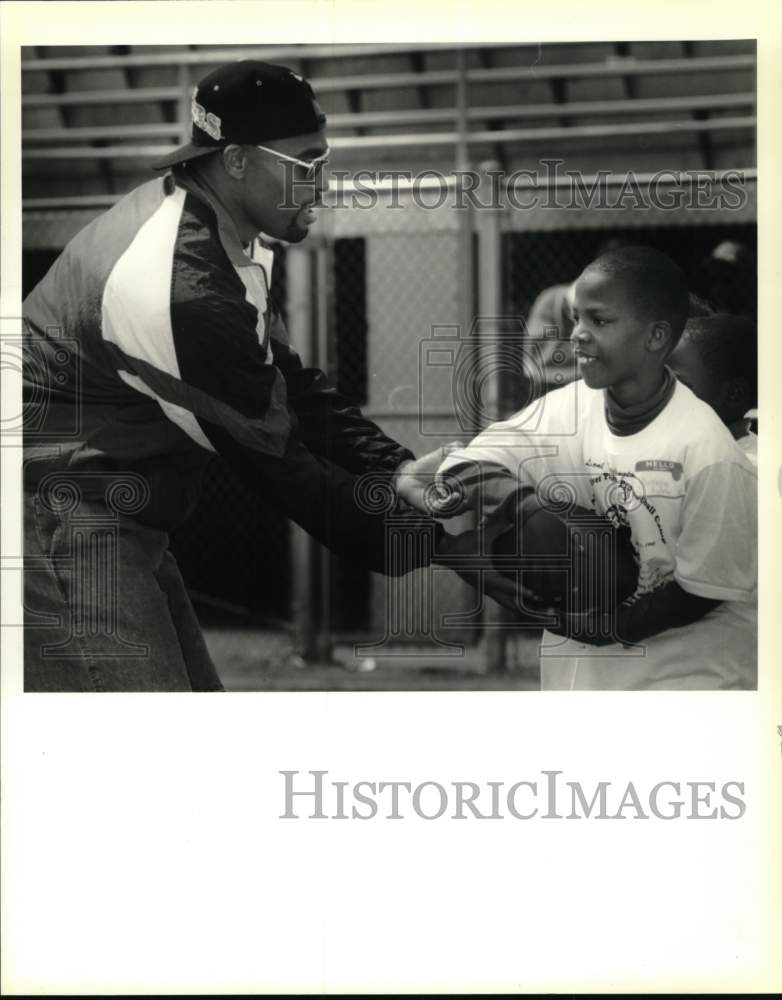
[105, 605]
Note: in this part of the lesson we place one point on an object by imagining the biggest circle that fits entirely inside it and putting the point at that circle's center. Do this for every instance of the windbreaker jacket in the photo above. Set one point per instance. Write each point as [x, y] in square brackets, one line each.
[152, 343]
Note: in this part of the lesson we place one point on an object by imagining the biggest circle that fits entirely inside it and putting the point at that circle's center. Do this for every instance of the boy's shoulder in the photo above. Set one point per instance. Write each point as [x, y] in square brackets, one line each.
[689, 435]
[558, 411]
[698, 430]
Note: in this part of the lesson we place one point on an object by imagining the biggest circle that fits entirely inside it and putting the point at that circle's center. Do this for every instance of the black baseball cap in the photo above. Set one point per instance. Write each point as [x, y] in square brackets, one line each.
[247, 102]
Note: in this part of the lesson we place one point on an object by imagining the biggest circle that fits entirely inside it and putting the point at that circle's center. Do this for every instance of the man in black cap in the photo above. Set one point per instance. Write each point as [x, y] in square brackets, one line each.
[152, 343]
[269, 189]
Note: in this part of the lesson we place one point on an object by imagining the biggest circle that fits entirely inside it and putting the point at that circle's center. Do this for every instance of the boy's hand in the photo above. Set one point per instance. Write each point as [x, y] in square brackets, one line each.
[415, 484]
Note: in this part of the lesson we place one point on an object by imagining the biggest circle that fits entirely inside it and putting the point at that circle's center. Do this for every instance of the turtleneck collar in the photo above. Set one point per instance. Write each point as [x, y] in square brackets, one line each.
[626, 420]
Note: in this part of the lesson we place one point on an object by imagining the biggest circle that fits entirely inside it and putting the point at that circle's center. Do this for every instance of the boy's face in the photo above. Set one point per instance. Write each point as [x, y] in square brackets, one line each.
[609, 337]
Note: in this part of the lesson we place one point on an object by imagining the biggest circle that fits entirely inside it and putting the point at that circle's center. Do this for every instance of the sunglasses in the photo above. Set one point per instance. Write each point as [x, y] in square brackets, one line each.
[311, 167]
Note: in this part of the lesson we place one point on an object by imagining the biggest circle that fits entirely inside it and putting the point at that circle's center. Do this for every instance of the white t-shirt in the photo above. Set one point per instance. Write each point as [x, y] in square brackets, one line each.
[688, 494]
[749, 445]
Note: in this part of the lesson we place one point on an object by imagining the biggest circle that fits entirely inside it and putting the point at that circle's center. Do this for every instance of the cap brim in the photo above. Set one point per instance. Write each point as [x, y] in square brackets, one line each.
[188, 152]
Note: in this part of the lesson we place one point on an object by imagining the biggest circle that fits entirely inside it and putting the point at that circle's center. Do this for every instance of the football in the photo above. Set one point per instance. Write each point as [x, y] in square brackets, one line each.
[574, 559]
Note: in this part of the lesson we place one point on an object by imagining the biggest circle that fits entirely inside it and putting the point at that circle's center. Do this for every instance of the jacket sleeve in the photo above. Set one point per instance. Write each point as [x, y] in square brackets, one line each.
[332, 426]
[212, 376]
[350, 514]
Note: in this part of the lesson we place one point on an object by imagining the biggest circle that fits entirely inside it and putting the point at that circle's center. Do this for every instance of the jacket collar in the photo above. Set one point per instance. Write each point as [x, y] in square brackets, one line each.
[258, 253]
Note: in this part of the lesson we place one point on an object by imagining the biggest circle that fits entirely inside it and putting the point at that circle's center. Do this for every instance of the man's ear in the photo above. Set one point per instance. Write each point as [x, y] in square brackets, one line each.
[235, 161]
[659, 336]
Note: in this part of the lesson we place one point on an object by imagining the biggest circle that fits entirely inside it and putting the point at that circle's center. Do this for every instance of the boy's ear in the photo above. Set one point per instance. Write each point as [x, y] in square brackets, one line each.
[659, 336]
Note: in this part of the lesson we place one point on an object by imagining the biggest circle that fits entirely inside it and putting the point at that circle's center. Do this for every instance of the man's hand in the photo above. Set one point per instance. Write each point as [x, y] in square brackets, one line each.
[415, 484]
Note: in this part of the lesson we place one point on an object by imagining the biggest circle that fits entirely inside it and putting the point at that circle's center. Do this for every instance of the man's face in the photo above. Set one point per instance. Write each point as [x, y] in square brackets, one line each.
[277, 198]
[609, 337]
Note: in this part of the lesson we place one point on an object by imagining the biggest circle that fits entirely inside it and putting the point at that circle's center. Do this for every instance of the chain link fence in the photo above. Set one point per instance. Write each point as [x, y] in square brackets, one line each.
[535, 261]
[539, 268]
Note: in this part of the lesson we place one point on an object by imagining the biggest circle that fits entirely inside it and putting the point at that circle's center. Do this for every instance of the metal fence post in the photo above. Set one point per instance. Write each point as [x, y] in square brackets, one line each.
[490, 306]
[467, 258]
[183, 79]
[301, 324]
[323, 330]
[464, 211]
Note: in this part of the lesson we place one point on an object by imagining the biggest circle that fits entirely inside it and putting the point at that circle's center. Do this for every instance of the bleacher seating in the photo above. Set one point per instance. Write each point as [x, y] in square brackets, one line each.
[93, 118]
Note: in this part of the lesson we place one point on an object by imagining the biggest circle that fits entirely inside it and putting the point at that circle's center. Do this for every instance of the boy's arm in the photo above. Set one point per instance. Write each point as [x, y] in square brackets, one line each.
[716, 553]
[669, 606]
[637, 618]
[469, 483]
[520, 452]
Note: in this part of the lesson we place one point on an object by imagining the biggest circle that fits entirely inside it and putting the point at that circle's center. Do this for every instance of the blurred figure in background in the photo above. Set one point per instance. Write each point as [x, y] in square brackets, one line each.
[717, 358]
[698, 307]
[549, 325]
[727, 280]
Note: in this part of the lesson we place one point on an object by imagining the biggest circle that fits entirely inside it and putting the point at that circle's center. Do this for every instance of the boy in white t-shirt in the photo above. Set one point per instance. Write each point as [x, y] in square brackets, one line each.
[636, 445]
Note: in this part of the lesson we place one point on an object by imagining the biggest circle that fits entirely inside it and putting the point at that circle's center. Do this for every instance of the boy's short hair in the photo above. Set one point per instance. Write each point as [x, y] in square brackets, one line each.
[658, 284]
[728, 348]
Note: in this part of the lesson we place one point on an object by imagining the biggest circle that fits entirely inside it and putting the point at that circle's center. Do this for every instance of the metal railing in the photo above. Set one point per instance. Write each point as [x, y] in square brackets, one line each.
[611, 66]
[267, 53]
[431, 139]
[428, 116]
[615, 66]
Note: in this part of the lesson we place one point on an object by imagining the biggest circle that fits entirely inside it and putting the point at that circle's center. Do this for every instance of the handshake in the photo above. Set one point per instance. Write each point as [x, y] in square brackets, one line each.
[419, 486]
[470, 553]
